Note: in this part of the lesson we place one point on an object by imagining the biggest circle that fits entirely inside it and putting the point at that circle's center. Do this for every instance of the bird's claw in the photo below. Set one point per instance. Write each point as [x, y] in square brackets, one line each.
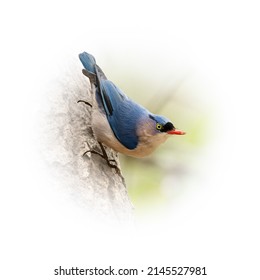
[104, 156]
[83, 101]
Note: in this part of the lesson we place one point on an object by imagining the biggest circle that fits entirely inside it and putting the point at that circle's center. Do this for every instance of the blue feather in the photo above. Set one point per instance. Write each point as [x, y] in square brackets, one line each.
[125, 115]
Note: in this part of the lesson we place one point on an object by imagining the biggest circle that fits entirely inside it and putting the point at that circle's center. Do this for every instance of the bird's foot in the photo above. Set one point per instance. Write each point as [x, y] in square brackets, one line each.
[107, 159]
[104, 156]
[83, 101]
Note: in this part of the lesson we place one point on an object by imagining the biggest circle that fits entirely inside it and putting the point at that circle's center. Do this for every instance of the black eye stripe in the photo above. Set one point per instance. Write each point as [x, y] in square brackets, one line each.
[151, 117]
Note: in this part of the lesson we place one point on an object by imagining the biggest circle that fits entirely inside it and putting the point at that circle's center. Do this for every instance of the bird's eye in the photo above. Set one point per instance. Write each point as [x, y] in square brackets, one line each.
[158, 126]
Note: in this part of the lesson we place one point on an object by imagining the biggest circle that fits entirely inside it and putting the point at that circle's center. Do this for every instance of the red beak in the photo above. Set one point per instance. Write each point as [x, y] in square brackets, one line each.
[176, 131]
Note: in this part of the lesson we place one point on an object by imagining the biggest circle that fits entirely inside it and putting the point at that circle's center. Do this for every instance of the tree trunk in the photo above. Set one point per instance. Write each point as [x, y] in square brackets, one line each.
[87, 176]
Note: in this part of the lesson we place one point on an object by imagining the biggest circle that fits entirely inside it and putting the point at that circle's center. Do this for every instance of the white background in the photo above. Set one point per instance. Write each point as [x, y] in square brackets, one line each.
[217, 227]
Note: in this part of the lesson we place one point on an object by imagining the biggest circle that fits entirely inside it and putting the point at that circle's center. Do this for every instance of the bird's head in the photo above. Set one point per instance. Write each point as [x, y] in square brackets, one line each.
[163, 125]
[152, 131]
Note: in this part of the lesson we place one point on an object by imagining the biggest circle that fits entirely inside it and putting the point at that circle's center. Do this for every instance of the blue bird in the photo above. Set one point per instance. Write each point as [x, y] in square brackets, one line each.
[120, 123]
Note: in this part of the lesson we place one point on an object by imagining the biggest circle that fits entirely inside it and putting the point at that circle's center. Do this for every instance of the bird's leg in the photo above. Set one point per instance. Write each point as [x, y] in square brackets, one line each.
[104, 156]
[87, 103]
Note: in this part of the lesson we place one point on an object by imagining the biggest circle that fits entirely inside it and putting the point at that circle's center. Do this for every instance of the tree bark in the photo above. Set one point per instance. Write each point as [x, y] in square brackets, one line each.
[87, 176]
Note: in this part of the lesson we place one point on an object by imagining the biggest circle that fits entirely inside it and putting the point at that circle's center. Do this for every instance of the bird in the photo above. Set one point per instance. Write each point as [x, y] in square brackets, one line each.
[120, 123]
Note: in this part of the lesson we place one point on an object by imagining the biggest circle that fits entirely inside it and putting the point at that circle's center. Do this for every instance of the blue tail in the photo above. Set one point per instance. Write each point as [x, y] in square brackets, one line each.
[88, 62]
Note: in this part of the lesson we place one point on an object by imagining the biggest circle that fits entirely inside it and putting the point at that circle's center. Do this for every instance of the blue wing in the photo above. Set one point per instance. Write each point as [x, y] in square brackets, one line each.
[123, 114]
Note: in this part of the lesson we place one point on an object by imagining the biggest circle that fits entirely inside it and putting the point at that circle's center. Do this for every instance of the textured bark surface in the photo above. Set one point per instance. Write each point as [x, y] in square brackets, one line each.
[68, 135]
